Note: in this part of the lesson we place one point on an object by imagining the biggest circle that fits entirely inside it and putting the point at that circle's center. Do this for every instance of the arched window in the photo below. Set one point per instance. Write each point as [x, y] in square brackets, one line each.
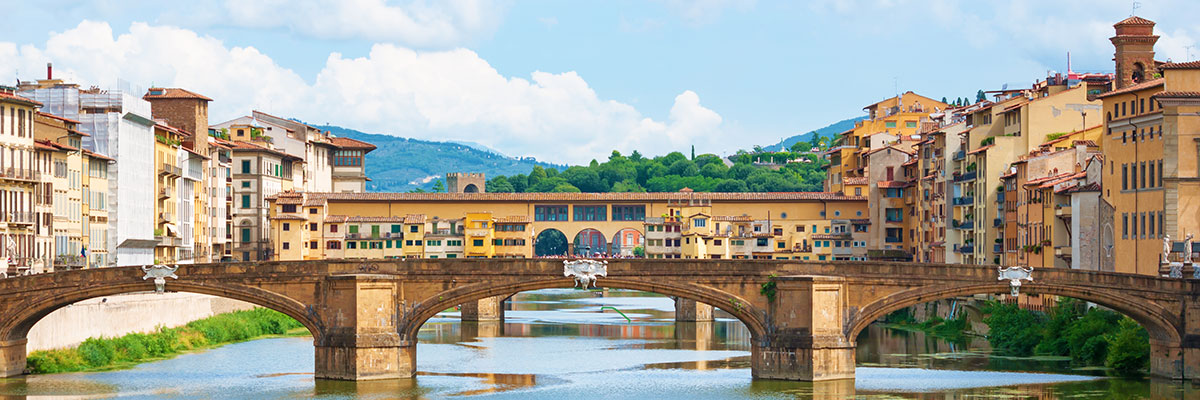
[1139, 72]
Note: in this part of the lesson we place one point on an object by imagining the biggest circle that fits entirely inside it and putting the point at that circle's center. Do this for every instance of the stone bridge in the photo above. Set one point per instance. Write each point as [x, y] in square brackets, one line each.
[364, 315]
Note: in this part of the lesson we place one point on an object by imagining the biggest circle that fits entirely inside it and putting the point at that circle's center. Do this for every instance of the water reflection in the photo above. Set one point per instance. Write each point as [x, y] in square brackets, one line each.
[561, 344]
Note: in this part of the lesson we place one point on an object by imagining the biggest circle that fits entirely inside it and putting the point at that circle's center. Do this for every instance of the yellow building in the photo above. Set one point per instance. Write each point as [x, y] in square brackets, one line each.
[18, 182]
[1151, 127]
[95, 209]
[897, 119]
[167, 141]
[451, 225]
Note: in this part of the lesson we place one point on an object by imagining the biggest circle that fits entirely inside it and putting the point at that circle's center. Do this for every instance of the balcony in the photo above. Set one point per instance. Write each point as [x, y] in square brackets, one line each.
[164, 217]
[997, 222]
[966, 177]
[169, 241]
[965, 249]
[965, 224]
[1062, 251]
[164, 193]
[1062, 211]
[355, 235]
[69, 261]
[170, 170]
[960, 155]
[964, 200]
[20, 174]
[478, 232]
[19, 218]
[893, 239]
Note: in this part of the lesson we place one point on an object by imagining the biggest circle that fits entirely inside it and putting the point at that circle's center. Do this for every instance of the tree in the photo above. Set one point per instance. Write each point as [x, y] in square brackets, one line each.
[639, 251]
[565, 188]
[693, 152]
[499, 184]
[438, 186]
[980, 96]
[586, 179]
[536, 176]
[627, 186]
[717, 170]
[731, 186]
[683, 168]
[635, 156]
[944, 100]
[705, 159]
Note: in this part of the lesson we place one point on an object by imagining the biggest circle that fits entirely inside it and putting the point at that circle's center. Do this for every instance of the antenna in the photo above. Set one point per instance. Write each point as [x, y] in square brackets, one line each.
[1069, 72]
[1136, 5]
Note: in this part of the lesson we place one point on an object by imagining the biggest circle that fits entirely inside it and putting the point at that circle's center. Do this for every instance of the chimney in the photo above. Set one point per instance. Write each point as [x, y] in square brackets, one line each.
[49, 71]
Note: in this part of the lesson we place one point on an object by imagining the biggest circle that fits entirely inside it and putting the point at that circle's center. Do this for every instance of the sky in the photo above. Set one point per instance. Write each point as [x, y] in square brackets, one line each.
[569, 81]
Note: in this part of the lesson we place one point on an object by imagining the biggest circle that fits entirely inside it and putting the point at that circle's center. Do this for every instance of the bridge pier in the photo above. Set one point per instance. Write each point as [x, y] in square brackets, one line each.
[692, 311]
[12, 357]
[806, 341]
[485, 309]
[361, 340]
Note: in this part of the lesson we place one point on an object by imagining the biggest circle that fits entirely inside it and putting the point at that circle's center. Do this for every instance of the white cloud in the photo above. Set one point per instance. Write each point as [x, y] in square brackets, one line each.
[416, 23]
[439, 95]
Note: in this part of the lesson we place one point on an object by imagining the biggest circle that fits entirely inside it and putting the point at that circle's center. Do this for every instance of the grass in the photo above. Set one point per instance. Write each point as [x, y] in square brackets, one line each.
[101, 354]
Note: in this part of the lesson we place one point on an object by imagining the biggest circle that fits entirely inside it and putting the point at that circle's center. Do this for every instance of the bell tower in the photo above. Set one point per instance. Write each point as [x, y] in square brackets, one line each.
[1134, 54]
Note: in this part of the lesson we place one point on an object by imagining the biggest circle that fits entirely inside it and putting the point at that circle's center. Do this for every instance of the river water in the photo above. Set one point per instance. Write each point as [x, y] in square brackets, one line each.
[560, 344]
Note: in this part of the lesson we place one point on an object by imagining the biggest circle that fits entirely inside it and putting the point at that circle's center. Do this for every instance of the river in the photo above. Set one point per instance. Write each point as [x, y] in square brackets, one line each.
[557, 344]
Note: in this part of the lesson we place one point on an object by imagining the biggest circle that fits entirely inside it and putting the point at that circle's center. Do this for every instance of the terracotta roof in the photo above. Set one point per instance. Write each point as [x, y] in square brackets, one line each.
[248, 146]
[1068, 136]
[1010, 108]
[343, 218]
[1133, 88]
[1088, 143]
[1062, 179]
[909, 162]
[1181, 65]
[93, 154]
[49, 115]
[1176, 95]
[313, 202]
[894, 147]
[856, 180]
[1091, 187]
[414, 219]
[173, 93]
[860, 221]
[14, 98]
[289, 200]
[52, 146]
[513, 219]
[1134, 20]
[547, 197]
[348, 143]
[733, 218]
[80, 133]
[981, 149]
[290, 217]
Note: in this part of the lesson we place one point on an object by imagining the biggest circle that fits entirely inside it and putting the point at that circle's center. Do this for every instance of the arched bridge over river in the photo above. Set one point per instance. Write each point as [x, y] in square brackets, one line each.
[364, 315]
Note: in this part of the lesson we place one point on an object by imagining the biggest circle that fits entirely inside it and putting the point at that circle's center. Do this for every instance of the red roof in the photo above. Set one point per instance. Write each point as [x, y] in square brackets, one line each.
[855, 180]
[1134, 20]
[981, 149]
[649, 196]
[19, 99]
[1133, 88]
[1181, 65]
[248, 146]
[52, 146]
[1176, 95]
[348, 143]
[49, 115]
[893, 184]
[173, 93]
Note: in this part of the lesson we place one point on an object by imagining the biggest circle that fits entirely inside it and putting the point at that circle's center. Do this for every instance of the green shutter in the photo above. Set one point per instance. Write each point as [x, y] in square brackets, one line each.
[353, 228]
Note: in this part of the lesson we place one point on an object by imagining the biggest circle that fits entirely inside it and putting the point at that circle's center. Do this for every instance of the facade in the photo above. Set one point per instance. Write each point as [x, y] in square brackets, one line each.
[168, 219]
[259, 172]
[62, 195]
[523, 225]
[890, 210]
[187, 112]
[18, 182]
[896, 118]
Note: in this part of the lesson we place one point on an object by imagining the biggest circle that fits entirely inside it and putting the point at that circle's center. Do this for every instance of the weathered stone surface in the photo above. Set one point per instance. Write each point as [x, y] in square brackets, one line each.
[364, 316]
[485, 309]
[692, 311]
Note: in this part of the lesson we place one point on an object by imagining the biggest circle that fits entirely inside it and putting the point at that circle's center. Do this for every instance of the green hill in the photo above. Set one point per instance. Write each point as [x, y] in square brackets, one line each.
[832, 130]
[402, 164]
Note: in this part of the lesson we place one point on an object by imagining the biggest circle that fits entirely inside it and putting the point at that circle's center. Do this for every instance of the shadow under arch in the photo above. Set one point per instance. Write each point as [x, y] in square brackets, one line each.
[1159, 323]
[740, 308]
[16, 327]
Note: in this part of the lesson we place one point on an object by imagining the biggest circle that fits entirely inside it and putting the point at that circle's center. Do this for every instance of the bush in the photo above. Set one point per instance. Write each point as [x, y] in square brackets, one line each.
[1129, 349]
[1012, 330]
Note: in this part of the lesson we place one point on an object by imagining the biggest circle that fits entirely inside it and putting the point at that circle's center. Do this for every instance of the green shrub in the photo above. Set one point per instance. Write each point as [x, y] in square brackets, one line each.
[97, 352]
[1129, 349]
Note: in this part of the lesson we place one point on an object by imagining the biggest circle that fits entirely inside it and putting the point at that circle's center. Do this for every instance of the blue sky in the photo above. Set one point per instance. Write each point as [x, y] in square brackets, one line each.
[653, 76]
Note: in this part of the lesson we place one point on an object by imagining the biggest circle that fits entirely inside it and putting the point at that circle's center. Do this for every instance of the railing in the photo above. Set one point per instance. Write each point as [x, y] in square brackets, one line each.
[1062, 211]
[22, 174]
[893, 239]
[171, 170]
[20, 217]
[894, 219]
[969, 176]
[966, 224]
[1062, 251]
[164, 192]
[67, 260]
[959, 155]
[1000, 198]
[965, 249]
[164, 216]
[964, 200]
[354, 235]
[169, 241]
[997, 248]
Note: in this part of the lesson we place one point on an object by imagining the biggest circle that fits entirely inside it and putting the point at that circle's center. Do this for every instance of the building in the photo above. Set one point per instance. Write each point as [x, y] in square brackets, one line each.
[894, 119]
[19, 180]
[464, 182]
[63, 194]
[1151, 127]
[196, 206]
[259, 172]
[453, 225]
[167, 232]
[118, 125]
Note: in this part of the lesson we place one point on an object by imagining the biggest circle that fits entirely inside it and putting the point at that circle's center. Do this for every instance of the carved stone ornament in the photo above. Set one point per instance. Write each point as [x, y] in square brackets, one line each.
[586, 272]
[1015, 275]
[1176, 270]
[160, 273]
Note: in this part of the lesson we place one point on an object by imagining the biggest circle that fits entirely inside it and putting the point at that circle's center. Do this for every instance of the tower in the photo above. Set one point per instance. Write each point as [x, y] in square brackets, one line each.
[1134, 54]
[462, 182]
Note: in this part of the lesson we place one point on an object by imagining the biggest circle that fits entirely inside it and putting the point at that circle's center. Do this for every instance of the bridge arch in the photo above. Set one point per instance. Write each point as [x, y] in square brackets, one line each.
[742, 309]
[1160, 323]
[17, 326]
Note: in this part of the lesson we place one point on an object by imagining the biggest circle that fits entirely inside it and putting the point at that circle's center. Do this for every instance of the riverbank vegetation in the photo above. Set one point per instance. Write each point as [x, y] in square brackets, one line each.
[1089, 336]
[111, 353]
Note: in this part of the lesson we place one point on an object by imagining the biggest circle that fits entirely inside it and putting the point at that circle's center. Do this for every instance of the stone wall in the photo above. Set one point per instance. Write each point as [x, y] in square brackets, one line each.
[114, 316]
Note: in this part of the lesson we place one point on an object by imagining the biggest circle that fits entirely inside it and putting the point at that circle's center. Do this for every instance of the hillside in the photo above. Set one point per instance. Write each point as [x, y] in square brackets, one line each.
[403, 164]
[831, 130]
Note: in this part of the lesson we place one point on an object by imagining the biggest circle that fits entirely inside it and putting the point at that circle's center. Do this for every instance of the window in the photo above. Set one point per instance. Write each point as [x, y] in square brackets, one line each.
[312, 226]
[289, 208]
[396, 228]
[347, 158]
[591, 213]
[699, 222]
[858, 191]
[894, 214]
[497, 242]
[351, 245]
[1143, 169]
[313, 245]
[287, 226]
[245, 235]
[413, 228]
[550, 213]
[333, 245]
[353, 228]
[1124, 177]
[894, 193]
[717, 242]
[1152, 181]
[762, 242]
[799, 228]
[477, 242]
[245, 166]
[312, 211]
[408, 243]
[245, 184]
[388, 243]
[629, 213]
[1150, 230]
[779, 245]
[1160, 224]
[245, 201]
[910, 124]
[286, 245]
[333, 228]
[890, 124]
